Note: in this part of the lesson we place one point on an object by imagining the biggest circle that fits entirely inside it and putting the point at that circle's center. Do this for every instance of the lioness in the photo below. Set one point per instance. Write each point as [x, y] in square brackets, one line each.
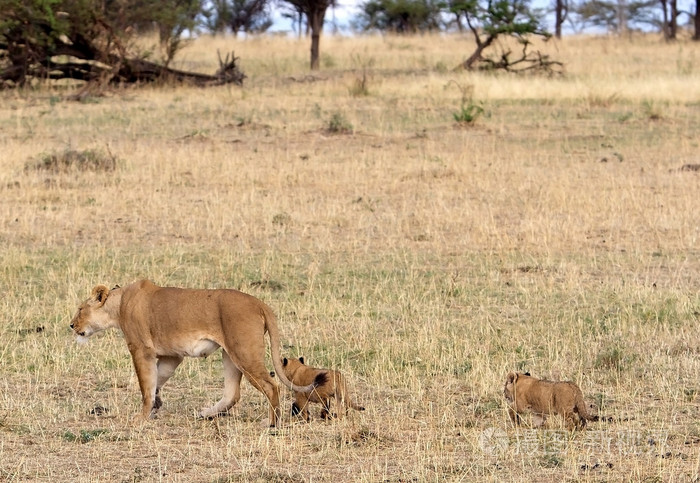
[162, 325]
[335, 386]
[525, 393]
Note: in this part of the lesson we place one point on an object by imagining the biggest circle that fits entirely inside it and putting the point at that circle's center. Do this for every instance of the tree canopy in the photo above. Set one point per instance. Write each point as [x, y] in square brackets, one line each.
[249, 16]
[400, 16]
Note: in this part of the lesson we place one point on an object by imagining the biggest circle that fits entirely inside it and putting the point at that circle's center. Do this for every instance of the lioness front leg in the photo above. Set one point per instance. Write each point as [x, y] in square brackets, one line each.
[146, 367]
[166, 367]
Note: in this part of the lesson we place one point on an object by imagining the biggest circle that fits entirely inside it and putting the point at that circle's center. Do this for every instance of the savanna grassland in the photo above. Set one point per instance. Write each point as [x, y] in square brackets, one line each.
[558, 233]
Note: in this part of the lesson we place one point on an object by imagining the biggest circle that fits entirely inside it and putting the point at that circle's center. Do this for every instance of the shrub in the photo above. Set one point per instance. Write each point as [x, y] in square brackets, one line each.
[74, 160]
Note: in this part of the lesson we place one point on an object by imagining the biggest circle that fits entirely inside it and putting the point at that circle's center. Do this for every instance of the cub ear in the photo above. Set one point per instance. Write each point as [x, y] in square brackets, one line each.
[100, 293]
[512, 377]
[285, 362]
[301, 359]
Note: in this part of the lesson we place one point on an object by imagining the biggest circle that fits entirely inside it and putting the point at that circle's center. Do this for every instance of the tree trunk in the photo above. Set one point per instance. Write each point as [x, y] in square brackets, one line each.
[673, 21]
[670, 19]
[315, 47]
[480, 47]
[664, 25]
[696, 35]
[460, 27]
[622, 16]
[559, 18]
[316, 23]
[301, 23]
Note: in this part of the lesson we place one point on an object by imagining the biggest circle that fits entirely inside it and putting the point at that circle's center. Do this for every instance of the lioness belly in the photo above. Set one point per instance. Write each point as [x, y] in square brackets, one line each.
[199, 348]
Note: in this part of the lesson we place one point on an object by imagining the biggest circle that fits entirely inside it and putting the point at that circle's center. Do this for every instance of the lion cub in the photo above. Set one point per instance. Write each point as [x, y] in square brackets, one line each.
[335, 386]
[541, 398]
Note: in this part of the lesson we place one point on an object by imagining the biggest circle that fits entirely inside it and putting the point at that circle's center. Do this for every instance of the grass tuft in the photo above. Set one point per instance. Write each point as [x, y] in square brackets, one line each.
[74, 160]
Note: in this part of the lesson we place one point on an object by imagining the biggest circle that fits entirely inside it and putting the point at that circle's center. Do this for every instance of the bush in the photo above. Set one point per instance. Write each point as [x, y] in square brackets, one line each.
[338, 124]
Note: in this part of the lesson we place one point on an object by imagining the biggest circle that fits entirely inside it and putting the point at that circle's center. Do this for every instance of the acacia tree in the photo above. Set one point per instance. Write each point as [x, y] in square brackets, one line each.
[315, 12]
[619, 15]
[599, 13]
[401, 16]
[489, 20]
[249, 16]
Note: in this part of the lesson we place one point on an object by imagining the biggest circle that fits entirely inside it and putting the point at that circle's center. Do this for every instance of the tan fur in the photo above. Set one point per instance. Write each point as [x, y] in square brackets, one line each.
[162, 325]
[335, 386]
[526, 394]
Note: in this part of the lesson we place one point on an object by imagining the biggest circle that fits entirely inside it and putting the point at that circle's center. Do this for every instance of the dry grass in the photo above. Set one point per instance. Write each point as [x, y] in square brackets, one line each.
[557, 235]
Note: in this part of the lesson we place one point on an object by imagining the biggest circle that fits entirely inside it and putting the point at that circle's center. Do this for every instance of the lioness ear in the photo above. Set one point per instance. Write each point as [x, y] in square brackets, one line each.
[284, 362]
[301, 359]
[512, 377]
[99, 293]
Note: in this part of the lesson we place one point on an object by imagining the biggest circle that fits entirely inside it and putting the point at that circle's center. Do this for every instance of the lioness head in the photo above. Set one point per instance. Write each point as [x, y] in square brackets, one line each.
[95, 314]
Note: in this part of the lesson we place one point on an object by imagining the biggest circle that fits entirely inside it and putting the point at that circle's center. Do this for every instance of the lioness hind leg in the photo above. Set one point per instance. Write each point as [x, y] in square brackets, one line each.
[259, 377]
[267, 386]
[232, 390]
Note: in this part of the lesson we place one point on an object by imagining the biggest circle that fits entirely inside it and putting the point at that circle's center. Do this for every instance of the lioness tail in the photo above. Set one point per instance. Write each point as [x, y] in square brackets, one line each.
[274, 333]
